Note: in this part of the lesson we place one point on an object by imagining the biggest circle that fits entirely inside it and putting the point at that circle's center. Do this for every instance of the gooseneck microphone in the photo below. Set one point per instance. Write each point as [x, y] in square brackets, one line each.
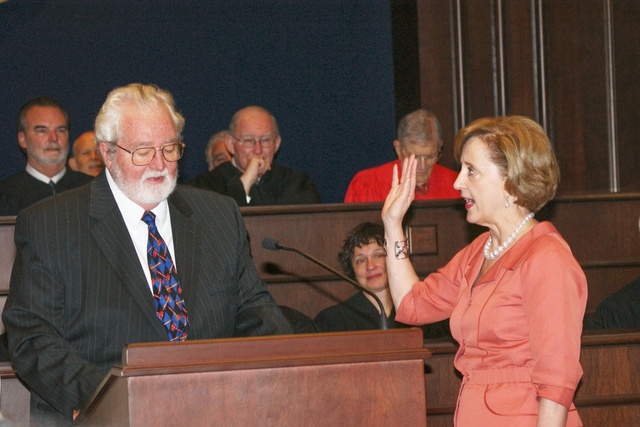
[274, 245]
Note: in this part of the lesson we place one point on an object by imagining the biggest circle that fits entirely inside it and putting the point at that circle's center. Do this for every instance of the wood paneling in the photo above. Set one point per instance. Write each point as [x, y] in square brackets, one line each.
[602, 231]
[626, 39]
[438, 227]
[571, 65]
[577, 92]
[608, 393]
[520, 48]
[437, 71]
[477, 31]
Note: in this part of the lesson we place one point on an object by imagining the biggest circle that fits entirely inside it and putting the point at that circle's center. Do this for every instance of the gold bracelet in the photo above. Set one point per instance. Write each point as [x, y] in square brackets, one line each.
[402, 249]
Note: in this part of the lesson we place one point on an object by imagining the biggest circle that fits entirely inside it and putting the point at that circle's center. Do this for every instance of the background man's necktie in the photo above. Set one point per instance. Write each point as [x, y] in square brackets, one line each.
[423, 188]
[53, 186]
[170, 307]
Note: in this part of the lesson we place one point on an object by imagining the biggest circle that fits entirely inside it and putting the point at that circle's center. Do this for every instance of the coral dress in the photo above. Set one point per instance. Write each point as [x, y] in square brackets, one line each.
[518, 326]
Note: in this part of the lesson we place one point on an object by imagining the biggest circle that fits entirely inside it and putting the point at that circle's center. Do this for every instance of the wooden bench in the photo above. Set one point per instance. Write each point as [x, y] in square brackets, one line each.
[608, 394]
[602, 231]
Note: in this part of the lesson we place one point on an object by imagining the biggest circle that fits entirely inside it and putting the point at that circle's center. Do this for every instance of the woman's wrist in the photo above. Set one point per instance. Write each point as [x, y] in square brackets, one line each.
[398, 247]
[401, 249]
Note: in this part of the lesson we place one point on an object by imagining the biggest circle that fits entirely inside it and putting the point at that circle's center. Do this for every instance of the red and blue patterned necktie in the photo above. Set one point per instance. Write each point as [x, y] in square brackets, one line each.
[170, 307]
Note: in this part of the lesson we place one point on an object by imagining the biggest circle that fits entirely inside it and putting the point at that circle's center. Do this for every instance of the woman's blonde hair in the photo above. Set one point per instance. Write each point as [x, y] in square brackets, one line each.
[520, 148]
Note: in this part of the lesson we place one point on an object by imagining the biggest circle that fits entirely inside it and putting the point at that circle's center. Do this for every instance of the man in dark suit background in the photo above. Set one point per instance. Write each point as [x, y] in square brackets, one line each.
[43, 136]
[82, 286]
[251, 177]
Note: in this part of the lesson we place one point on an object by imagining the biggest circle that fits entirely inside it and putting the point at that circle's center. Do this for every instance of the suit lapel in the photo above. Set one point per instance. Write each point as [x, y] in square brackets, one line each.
[110, 233]
[185, 238]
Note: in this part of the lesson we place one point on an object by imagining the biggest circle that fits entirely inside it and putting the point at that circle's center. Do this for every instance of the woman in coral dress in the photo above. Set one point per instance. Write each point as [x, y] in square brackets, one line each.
[515, 296]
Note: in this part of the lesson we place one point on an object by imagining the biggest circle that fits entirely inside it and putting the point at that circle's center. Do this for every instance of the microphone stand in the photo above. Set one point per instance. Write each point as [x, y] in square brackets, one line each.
[272, 244]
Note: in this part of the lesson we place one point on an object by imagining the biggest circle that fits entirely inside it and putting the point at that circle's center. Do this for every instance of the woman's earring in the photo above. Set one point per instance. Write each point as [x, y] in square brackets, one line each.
[506, 203]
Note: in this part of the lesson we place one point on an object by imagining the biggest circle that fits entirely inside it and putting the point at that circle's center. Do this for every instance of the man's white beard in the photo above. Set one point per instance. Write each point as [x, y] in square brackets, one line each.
[141, 191]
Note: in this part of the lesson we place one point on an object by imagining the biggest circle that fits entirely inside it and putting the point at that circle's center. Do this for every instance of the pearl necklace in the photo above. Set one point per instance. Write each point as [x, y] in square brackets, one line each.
[493, 255]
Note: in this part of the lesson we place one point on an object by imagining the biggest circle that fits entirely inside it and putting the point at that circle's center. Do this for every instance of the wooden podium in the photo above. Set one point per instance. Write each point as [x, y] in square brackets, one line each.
[372, 378]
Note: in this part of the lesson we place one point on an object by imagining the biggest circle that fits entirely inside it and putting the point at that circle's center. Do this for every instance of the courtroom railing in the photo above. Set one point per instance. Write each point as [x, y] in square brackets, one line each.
[602, 231]
[608, 393]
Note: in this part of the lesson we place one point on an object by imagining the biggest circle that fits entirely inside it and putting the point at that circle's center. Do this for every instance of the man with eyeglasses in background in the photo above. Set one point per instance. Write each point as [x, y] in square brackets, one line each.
[131, 258]
[419, 133]
[43, 137]
[251, 177]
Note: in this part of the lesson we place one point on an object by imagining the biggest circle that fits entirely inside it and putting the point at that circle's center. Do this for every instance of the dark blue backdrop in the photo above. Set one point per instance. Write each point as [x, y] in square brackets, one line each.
[324, 68]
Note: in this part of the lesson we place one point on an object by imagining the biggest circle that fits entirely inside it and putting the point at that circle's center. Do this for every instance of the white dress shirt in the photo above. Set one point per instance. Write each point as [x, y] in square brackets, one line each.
[138, 230]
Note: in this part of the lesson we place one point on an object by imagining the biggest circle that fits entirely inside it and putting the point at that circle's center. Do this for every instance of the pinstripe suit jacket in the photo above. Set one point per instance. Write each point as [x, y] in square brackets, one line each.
[78, 293]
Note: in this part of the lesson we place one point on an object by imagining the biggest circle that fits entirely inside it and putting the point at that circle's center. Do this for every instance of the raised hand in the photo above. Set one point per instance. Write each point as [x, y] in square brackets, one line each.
[401, 194]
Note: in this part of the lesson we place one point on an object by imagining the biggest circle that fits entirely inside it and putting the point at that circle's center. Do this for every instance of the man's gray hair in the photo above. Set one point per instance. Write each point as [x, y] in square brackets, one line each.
[108, 122]
[420, 126]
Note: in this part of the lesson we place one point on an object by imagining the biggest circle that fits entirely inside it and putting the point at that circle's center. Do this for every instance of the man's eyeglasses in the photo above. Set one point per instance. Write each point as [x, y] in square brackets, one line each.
[248, 142]
[144, 155]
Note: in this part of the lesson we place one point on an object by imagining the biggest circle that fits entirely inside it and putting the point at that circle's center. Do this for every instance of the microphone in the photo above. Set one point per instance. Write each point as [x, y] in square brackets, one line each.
[274, 245]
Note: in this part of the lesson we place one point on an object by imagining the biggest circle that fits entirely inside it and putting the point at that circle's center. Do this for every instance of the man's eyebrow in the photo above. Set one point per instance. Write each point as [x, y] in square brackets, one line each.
[47, 127]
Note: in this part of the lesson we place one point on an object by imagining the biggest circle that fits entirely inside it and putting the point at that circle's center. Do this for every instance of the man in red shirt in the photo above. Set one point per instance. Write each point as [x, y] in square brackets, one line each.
[419, 133]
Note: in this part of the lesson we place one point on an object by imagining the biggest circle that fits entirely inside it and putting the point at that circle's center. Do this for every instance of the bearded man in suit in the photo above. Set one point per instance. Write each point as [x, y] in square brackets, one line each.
[83, 283]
